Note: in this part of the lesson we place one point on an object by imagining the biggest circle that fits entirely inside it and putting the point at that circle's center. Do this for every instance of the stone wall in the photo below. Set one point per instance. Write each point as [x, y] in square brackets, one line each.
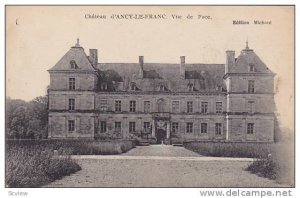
[263, 103]
[263, 128]
[125, 100]
[59, 100]
[58, 125]
[83, 81]
[139, 119]
[262, 84]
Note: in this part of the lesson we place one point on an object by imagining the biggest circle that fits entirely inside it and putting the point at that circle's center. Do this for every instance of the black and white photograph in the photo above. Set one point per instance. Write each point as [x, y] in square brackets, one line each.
[157, 96]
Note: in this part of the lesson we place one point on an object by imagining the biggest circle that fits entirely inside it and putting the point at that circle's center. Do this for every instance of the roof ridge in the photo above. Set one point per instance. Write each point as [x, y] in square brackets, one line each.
[166, 63]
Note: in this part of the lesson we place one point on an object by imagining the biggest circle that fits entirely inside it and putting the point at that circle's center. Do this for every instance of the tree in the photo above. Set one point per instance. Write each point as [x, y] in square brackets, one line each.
[27, 119]
[39, 121]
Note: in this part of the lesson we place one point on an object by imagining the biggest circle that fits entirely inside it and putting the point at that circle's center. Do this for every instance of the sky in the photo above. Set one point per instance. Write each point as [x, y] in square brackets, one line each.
[38, 36]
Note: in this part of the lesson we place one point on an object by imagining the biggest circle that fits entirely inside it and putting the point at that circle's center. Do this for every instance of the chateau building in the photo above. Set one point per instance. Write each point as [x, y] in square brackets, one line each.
[166, 102]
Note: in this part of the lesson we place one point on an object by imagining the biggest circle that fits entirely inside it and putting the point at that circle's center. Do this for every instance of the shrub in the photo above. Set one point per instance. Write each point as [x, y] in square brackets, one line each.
[79, 146]
[279, 165]
[265, 167]
[230, 149]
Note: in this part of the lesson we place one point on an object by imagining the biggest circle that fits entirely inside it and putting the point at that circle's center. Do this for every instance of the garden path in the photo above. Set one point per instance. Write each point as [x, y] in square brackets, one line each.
[162, 166]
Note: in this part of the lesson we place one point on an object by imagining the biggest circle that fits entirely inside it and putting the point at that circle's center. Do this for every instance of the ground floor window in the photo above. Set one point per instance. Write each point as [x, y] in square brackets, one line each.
[117, 126]
[250, 128]
[131, 127]
[71, 125]
[189, 127]
[102, 126]
[218, 129]
[174, 127]
[203, 127]
[147, 126]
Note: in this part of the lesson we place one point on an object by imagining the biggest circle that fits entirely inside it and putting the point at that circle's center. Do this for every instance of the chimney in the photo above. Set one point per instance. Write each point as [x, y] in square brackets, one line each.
[182, 66]
[93, 58]
[230, 60]
[141, 63]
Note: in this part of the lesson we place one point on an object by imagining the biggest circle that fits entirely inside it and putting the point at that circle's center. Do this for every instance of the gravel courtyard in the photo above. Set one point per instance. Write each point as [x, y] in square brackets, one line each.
[162, 166]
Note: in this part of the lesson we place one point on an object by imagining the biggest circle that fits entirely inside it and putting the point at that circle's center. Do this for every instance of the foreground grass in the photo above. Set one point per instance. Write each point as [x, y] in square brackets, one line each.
[34, 166]
[34, 163]
[272, 160]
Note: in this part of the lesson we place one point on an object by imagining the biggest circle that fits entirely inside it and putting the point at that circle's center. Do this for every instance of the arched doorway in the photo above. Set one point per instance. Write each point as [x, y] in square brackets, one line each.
[160, 136]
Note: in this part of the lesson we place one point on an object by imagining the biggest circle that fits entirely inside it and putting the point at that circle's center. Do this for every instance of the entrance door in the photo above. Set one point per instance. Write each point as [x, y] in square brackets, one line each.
[160, 136]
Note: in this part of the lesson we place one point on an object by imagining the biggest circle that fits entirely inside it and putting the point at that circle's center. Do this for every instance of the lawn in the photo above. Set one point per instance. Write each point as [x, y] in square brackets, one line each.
[272, 160]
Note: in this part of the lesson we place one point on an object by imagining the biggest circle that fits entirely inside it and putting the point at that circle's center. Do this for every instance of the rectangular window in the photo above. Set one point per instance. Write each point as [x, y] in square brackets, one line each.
[131, 127]
[203, 127]
[103, 105]
[71, 104]
[146, 125]
[117, 125]
[71, 83]
[146, 106]
[189, 127]
[102, 126]
[204, 107]
[132, 105]
[174, 127]
[189, 106]
[218, 129]
[71, 125]
[250, 106]
[175, 106]
[118, 105]
[250, 128]
[250, 86]
[219, 108]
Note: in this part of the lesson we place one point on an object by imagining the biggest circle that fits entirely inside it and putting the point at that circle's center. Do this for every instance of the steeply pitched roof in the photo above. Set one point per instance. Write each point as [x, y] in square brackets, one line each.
[204, 77]
[76, 54]
[249, 58]
[197, 77]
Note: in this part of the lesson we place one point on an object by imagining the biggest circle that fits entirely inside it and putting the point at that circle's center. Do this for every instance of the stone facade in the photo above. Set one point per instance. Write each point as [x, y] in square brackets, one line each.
[166, 102]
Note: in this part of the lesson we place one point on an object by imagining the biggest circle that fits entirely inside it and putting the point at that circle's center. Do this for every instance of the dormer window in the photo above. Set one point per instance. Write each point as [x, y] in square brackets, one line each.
[161, 88]
[202, 83]
[103, 86]
[251, 68]
[73, 64]
[190, 87]
[133, 87]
